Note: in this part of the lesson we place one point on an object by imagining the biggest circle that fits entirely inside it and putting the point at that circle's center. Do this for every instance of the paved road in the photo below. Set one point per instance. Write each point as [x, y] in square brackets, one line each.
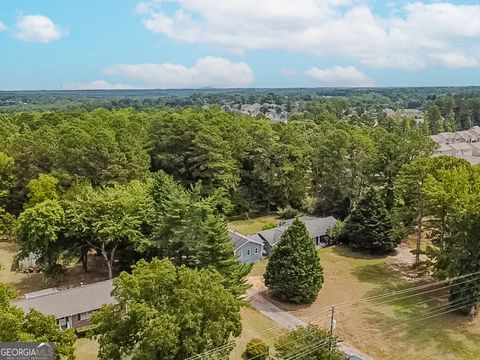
[288, 321]
[267, 308]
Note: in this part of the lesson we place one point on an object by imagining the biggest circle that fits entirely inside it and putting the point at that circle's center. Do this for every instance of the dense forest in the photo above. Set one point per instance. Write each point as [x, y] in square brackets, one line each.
[445, 109]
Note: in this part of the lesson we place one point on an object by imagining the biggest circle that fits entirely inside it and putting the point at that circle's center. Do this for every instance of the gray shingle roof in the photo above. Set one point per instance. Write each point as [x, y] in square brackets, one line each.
[239, 240]
[461, 146]
[474, 160]
[315, 226]
[72, 301]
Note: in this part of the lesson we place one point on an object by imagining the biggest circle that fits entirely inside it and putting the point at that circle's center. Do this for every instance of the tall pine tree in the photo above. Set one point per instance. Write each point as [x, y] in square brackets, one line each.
[190, 231]
[369, 226]
[294, 272]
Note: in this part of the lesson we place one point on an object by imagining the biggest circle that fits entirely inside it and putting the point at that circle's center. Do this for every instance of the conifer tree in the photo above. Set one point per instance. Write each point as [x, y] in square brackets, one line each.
[369, 226]
[294, 272]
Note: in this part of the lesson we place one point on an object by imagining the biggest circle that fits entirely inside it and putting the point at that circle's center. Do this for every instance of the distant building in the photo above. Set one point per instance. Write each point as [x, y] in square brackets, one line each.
[246, 249]
[72, 308]
[415, 114]
[463, 144]
[316, 227]
[462, 148]
[251, 109]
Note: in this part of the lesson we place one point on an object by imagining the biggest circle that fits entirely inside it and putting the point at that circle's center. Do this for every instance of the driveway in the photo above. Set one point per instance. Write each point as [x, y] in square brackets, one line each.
[288, 321]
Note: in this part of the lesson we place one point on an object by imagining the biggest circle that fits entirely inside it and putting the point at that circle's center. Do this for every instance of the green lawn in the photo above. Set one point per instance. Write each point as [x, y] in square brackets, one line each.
[253, 225]
[258, 268]
[254, 323]
[86, 349]
[393, 328]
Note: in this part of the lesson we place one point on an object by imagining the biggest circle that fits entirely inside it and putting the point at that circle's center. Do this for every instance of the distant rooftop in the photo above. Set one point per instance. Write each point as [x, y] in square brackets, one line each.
[315, 226]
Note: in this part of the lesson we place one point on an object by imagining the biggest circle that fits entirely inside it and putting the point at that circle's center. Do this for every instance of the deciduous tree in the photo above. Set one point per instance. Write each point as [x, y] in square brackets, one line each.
[167, 313]
[34, 326]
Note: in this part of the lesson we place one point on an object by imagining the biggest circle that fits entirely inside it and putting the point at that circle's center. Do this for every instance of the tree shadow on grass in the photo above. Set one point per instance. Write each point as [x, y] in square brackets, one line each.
[386, 278]
[345, 251]
[383, 276]
[438, 336]
[415, 317]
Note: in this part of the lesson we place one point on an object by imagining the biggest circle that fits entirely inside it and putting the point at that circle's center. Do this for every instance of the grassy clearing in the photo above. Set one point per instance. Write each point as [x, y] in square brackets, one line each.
[253, 225]
[259, 268]
[253, 323]
[86, 349]
[389, 329]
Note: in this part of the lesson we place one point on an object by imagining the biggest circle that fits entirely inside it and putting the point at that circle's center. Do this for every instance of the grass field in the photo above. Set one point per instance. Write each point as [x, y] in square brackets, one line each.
[391, 328]
[86, 349]
[254, 323]
[253, 225]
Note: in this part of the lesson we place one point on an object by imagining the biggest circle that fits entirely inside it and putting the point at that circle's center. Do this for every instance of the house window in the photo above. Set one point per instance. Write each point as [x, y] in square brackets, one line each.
[62, 323]
[241, 254]
[249, 252]
[83, 316]
[256, 250]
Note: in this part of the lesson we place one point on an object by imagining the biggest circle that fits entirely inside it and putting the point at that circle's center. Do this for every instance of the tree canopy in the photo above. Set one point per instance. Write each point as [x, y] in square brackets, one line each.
[34, 326]
[167, 312]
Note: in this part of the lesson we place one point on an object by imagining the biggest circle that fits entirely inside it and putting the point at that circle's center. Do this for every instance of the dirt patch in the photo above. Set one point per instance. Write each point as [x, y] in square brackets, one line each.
[74, 276]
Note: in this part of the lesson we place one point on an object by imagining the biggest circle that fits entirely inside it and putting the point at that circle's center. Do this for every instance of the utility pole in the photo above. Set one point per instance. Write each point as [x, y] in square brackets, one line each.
[332, 327]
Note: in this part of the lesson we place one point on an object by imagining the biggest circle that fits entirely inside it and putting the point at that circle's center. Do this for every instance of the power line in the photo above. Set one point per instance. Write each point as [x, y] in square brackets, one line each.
[355, 308]
[438, 311]
[356, 301]
[308, 350]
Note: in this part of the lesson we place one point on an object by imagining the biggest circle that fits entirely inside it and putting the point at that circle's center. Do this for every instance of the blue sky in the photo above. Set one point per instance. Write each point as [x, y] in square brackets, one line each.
[71, 44]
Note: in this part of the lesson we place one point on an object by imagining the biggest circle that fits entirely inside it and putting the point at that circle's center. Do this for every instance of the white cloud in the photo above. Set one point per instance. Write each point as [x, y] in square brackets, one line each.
[288, 72]
[328, 28]
[96, 85]
[455, 60]
[3, 27]
[207, 72]
[340, 76]
[37, 28]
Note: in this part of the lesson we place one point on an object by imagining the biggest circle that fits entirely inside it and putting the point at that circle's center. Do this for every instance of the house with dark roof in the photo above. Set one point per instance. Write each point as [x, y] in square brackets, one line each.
[72, 307]
[246, 249]
[317, 228]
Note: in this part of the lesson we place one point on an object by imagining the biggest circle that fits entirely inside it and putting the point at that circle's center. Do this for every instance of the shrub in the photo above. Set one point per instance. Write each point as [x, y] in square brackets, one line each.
[287, 212]
[86, 331]
[7, 225]
[257, 349]
[310, 337]
[269, 226]
[337, 233]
